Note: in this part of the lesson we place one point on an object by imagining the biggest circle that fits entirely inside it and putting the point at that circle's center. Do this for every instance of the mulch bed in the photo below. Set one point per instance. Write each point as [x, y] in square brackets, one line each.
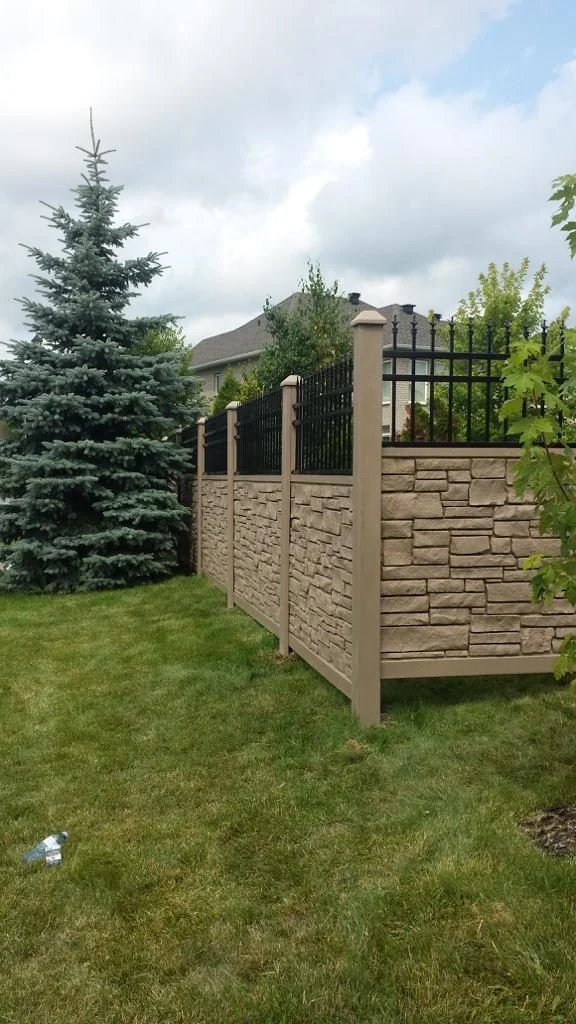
[553, 830]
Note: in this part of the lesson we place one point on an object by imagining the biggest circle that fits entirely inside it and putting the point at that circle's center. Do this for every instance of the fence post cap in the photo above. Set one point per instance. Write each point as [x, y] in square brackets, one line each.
[233, 405]
[291, 381]
[368, 318]
[201, 419]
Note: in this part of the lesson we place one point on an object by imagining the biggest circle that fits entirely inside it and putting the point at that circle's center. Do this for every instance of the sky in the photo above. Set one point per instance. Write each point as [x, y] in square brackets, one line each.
[402, 144]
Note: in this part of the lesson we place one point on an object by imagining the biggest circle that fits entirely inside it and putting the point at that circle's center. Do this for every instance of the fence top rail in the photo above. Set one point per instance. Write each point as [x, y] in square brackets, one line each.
[446, 354]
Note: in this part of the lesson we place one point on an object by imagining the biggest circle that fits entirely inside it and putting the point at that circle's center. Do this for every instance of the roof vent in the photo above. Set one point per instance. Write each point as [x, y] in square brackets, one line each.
[354, 298]
[408, 307]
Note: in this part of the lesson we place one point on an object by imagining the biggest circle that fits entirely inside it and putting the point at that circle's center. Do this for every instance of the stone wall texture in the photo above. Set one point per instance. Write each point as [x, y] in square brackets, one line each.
[257, 544]
[193, 493]
[454, 537]
[321, 571]
[214, 528]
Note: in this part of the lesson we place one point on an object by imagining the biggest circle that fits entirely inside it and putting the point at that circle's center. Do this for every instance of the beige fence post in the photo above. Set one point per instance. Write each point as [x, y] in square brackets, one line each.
[366, 506]
[231, 417]
[288, 465]
[199, 494]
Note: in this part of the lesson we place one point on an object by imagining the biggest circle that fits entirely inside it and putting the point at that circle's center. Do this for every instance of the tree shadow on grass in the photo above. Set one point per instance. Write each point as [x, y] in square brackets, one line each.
[463, 689]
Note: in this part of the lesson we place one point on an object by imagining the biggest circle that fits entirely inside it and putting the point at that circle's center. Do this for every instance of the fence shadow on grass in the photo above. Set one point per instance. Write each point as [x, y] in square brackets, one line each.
[465, 689]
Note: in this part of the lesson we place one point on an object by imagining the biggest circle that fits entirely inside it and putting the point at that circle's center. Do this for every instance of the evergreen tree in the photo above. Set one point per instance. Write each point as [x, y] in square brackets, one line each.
[171, 339]
[87, 473]
[229, 392]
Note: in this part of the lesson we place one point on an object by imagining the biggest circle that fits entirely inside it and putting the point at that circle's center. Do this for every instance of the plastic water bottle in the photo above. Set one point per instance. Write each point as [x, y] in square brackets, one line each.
[49, 850]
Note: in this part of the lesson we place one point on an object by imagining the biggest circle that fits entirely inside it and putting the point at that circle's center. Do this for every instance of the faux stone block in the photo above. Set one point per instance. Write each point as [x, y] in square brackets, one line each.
[424, 638]
[488, 468]
[404, 619]
[486, 560]
[494, 638]
[509, 592]
[437, 462]
[449, 616]
[403, 587]
[398, 603]
[396, 528]
[469, 545]
[393, 466]
[536, 641]
[512, 529]
[397, 552]
[418, 572]
[431, 538]
[456, 492]
[398, 483]
[458, 600]
[500, 545]
[411, 506]
[468, 512]
[494, 623]
[507, 513]
[430, 556]
[525, 546]
[488, 492]
[430, 485]
[494, 650]
[445, 586]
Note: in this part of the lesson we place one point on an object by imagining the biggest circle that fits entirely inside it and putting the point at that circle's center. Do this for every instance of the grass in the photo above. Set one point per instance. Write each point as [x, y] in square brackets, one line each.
[242, 852]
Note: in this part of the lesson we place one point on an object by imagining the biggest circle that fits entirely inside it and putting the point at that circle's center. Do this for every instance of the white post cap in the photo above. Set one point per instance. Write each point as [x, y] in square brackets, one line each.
[369, 318]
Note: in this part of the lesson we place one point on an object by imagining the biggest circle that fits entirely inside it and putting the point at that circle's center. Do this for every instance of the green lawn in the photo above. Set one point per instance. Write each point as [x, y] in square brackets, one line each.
[242, 852]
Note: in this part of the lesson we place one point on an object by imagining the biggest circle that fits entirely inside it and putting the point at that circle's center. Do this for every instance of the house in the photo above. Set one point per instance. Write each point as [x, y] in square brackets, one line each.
[240, 349]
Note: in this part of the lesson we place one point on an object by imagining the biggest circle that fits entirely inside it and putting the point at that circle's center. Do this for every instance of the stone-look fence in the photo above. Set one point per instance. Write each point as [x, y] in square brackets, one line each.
[411, 567]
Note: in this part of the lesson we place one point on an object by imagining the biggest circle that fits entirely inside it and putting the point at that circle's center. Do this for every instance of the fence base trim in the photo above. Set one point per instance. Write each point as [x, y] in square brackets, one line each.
[254, 613]
[405, 450]
[423, 668]
[322, 667]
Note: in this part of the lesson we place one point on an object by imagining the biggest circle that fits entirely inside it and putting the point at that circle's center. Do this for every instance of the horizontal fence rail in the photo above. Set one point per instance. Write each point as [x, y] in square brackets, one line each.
[323, 420]
[259, 434]
[216, 443]
[446, 388]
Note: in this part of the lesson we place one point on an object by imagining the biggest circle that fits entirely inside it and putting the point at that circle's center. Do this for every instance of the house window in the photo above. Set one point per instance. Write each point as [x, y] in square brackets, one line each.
[386, 430]
[217, 382]
[421, 387]
[387, 384]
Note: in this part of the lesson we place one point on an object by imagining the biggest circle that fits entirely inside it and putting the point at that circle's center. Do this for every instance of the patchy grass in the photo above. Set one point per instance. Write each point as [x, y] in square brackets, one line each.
[242, 852]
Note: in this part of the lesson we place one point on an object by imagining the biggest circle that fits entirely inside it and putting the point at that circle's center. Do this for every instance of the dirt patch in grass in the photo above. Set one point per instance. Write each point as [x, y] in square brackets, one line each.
[553, 830]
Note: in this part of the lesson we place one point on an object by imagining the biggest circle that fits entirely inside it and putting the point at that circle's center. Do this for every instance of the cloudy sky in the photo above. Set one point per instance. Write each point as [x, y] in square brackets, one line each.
[403, 143]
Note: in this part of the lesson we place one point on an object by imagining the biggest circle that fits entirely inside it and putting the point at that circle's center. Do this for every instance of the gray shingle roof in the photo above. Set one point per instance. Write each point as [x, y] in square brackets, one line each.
[250, 338]
[404, 336]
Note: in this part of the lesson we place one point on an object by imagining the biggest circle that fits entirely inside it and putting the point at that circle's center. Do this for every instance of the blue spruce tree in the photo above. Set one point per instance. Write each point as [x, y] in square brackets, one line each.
[86, 472]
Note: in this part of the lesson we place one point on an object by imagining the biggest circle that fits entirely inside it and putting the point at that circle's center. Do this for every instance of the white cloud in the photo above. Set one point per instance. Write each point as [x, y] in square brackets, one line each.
[450, 186]
[255, 136]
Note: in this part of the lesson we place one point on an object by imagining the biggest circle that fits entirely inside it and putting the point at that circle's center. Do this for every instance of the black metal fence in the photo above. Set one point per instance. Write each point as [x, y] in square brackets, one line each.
[323, 420]
[216, 443]
[447, 389]
[189, 440]
[259, 434]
